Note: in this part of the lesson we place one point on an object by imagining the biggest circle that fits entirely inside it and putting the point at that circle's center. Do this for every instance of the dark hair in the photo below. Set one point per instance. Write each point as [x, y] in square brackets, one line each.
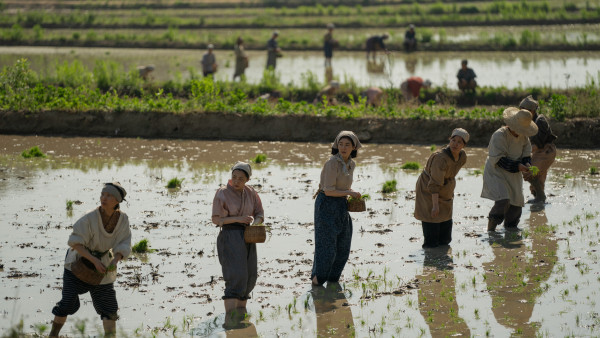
[242, 170]
[464, 62]
[336, 150]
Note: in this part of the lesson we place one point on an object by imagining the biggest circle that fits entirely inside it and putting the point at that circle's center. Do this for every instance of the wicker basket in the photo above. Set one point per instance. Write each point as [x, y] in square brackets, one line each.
[85, 270]
[255, 234]
[355, 205]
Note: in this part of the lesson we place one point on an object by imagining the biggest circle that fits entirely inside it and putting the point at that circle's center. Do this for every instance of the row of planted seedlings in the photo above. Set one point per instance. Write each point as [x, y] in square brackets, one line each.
[108, 87]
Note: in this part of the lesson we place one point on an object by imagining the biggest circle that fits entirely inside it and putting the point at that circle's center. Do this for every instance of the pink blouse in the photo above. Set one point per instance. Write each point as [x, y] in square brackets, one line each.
[228, 203]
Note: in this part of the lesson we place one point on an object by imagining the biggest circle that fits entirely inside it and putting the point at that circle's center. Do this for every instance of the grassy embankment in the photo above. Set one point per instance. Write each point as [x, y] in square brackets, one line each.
[109, 88]
[195, 28]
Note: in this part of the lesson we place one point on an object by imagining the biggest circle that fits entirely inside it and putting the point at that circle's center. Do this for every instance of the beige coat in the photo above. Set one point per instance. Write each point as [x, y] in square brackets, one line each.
[438, 177]
[499, 184]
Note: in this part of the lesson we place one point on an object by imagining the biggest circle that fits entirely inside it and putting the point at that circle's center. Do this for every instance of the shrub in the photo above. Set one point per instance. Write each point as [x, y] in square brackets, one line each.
[389, 186]
[33, 152]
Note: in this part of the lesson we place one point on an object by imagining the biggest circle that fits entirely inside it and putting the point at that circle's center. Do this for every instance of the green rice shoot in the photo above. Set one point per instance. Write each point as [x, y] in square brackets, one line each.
[593, 171]
[389, 187]
[411, 166]
[33, 152]
[260, 158]
[364, 197]
[534, 170]
[175, 183]
[142, 246]
[70, 205]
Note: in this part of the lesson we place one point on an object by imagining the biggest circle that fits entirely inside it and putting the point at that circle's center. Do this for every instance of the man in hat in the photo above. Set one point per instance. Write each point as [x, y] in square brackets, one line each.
[273, 51]
[328, 44]
[466, 77]
[411, 88]
[543, 151]
[374, 43]
[509, 155]
[410, 39]
[209, 61]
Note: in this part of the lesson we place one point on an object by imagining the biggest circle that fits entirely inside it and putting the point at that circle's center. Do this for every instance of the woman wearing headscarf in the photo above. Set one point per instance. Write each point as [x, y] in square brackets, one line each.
[103, 238]
[333, 225]
[543, 150]
[235, 207]
[241, 59]
[509, 156]
[435, 190]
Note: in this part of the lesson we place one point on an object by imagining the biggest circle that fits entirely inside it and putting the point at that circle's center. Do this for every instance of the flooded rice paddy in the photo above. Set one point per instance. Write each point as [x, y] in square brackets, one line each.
[543, 280]
[509, 69]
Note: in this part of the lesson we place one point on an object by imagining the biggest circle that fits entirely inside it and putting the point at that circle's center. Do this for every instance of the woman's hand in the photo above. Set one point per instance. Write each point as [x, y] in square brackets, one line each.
[246, 219]
[523, 168]
[98, 264]
[435, 210]
[113, 264]
[354, 194]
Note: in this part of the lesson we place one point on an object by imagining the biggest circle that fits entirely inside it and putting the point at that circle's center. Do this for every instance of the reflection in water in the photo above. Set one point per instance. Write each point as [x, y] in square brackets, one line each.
[410, 64]
[516, 275]
[375, 66]
[334, 316]
[437, 295]
[236, 325]
[328, 74]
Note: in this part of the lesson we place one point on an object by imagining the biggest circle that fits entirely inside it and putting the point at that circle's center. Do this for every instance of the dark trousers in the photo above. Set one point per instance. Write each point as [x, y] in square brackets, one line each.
[238, 262]
[436, 234]
[503, 211]
[104, 297]
[333, 236]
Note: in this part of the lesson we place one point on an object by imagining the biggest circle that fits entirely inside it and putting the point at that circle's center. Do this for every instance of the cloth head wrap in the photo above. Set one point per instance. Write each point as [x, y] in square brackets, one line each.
[116, 190]
[243, 166]
[529, 103]
[346, 133]
[462, 133]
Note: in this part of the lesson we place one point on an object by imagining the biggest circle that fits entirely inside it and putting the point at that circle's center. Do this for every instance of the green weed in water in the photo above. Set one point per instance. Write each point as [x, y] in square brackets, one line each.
[33, 152]
[142, 246]
[567, 176]
[260, 158]
[389, 186]
[69, 205]
[411, 166]
[593, 171]
[175, 183]
[432, 148]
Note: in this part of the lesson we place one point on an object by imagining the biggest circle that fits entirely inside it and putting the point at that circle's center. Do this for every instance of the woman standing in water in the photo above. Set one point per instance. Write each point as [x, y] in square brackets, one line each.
[235, 207]
[103, 238]
[435, 190]
[333, 225]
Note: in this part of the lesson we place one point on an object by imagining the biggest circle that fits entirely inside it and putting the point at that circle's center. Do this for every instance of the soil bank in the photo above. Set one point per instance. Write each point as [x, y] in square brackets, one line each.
[572, 133]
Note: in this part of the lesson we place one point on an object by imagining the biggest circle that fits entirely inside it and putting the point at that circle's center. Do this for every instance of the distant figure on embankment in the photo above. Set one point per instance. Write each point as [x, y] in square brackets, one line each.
[466, 78]
[273, 51]
[241, 59]
[410, 39]
[144, 71]
[375, 43]
[209, 62]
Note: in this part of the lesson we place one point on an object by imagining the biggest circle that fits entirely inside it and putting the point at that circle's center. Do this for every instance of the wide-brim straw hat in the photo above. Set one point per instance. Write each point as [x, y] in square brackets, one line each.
[520, 121]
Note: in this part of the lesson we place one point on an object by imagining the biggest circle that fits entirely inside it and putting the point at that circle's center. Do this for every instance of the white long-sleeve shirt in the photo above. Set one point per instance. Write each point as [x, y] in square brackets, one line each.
[89, 232]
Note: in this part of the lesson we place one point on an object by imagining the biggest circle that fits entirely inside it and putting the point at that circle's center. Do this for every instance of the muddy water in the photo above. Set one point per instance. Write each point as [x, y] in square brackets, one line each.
[542, 280]
[557, 70]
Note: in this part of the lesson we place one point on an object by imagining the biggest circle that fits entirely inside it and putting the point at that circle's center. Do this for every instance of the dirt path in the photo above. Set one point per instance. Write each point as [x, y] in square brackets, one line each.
[574, 133]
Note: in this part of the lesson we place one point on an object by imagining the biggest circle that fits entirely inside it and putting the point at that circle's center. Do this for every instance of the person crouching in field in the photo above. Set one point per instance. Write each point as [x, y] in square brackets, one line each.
[333, 224]
[543, 151]
[435, 190]
[509, 156]
[99, 240]
[235, 207]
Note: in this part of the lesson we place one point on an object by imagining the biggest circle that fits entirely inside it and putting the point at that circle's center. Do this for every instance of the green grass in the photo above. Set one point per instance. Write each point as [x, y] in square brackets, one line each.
[593, 171]
[142, 246]
[175, 183]
[389, 187]
[411, 166]
[33, 152]
[69, 205]
[260, 158]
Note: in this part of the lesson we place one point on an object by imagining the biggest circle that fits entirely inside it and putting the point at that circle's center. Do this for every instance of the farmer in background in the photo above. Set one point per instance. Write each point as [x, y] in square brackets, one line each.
[144, 71]
[209, 62]
[241, 59]
[509, 156]
[410, 39]
[328, 44]
[235, 207]
[333, 224]
[466, 78]
[374, 96]
[100, 239]
[435, 190]
[411, 88]
[543, 151]
[328, 93]
[375, 43]
[273, 51]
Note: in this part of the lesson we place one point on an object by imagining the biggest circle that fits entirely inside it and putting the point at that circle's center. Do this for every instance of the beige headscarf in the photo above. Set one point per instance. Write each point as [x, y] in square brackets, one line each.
[529, 103]
[243, 166]
[116, 190]
[462, 133]
[346, 133]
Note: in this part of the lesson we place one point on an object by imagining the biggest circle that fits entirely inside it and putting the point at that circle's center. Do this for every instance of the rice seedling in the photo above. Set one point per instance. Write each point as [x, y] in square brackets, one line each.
[389, 187]
[534, 170]
[432, 148]
[411, 166]
[568, 176]
[70, 205]
[260, 158]
[34, 151]
[593, 171]
[142, 246]
[364, 197]
[174, 183]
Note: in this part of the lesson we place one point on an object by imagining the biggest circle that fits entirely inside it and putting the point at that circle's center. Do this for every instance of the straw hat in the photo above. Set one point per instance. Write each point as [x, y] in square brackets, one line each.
[520, 121]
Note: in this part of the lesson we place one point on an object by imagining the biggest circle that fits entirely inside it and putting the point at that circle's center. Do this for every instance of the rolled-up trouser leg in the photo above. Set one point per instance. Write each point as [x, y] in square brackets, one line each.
[72, 288]
[498, 211]
[512, 216]
[234, 263]
[104, 299]
[445, 234]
